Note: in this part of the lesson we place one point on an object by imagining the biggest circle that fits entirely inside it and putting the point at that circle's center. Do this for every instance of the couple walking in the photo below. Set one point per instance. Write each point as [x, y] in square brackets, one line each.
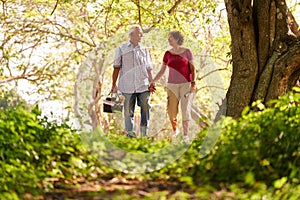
[133, 66]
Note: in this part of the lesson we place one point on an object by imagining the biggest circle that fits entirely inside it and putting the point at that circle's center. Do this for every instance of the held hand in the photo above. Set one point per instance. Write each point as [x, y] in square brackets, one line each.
[193, 88]
[152, 88]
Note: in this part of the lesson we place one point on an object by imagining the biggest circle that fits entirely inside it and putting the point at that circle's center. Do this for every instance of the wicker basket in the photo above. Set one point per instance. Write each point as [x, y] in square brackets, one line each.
[112, 105]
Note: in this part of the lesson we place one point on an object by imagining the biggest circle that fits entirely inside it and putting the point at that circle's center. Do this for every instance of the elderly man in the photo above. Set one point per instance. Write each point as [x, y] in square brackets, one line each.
[133, 66]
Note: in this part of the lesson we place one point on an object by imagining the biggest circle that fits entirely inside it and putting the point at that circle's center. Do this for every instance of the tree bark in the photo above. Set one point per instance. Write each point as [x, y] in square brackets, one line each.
[244, 56]
[265, 52]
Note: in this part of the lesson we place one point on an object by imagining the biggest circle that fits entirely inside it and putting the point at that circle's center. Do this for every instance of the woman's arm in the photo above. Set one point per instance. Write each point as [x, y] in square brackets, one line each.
[160, 73]
[193, 72]
[157, 77]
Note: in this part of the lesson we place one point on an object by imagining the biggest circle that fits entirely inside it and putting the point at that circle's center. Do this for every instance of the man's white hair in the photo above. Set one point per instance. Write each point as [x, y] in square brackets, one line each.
[133, 28]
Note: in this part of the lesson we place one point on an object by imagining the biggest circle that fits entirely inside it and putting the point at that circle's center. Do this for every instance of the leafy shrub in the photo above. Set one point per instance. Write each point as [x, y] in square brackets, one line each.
[33, 150]
[262, 145]
[10, 98]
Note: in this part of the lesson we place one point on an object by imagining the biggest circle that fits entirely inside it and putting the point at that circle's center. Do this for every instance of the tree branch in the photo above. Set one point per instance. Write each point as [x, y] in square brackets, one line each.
[171, 11]
[106, 17]
[293, 26]
[213, 71]
[54, 7]
[281, 22]
[3, 8]
[139, 12]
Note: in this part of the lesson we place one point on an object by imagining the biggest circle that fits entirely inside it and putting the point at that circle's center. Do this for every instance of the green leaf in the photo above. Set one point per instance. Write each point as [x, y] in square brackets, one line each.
[296, 89]
[280, 182]
[187, 179]
[250, 178]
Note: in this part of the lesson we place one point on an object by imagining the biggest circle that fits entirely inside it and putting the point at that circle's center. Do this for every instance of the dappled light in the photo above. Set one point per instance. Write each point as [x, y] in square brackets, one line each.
[238, 139]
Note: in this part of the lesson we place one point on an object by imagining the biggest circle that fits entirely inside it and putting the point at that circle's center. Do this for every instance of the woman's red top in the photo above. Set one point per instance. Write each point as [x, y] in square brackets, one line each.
[179, 71]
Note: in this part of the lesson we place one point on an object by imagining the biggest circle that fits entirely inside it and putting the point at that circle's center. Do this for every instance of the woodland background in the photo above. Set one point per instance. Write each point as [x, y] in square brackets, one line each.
[56, 63]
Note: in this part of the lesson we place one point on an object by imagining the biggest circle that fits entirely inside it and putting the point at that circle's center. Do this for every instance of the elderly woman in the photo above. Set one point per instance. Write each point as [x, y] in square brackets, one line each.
[181, 82]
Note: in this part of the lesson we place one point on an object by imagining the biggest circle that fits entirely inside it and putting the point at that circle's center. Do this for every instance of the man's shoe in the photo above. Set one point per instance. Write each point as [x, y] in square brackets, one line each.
[131, 134]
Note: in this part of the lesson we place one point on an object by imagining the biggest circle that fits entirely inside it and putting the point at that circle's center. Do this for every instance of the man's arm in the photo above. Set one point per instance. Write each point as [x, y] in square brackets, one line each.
[151, 86]
[149, 71]
[115, 76]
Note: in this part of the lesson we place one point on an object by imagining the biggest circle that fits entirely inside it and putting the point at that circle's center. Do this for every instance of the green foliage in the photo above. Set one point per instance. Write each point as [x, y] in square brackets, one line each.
[255, 157]
[44, 53]
[33, 150]
[263, 145]
[10, 98]
[258, 151]
[46, 49]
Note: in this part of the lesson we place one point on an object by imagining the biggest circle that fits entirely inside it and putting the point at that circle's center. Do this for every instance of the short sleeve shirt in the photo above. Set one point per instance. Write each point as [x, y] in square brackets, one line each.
[134, 62]
[179, 71]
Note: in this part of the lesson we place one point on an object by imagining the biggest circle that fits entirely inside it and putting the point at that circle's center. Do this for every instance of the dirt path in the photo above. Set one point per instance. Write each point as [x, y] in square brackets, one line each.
[115, 189]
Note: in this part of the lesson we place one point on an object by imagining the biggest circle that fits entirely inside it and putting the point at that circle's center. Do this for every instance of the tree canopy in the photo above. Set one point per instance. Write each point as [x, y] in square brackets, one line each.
[49, 46]
[44, 45]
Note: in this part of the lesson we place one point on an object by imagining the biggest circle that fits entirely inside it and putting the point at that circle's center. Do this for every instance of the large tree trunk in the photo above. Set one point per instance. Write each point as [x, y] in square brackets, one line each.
[265, 52]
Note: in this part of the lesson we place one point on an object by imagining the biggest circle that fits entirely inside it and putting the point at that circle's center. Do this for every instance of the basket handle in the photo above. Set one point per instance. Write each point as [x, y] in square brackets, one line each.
[112, 95]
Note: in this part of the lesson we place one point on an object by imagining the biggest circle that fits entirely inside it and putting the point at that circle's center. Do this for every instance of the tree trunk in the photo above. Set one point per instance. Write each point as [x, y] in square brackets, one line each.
[265, 52]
